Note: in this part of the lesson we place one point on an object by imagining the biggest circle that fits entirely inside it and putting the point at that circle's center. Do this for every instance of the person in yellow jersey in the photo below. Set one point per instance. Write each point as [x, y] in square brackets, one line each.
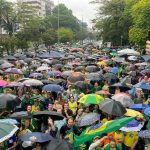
[130, 140]
[72, 104]
[119, 136]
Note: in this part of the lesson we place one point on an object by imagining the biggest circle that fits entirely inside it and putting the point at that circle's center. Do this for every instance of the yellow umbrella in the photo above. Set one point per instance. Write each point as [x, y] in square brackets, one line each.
[133, 113]
[102, 63]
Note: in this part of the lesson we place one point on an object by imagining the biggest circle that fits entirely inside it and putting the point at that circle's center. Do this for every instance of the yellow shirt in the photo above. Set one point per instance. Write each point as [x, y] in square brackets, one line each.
[73, 106]
[119, 136]
[35, 108]
[130, 138]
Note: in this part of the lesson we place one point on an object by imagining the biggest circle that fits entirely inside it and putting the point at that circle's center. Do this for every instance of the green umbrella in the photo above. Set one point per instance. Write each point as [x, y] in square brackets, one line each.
[6, 131]
[106, 50]
[97, 130]
[91, 99]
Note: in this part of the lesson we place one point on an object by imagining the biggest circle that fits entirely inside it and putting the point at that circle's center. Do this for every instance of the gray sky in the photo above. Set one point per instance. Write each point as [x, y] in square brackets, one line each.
[80, 8]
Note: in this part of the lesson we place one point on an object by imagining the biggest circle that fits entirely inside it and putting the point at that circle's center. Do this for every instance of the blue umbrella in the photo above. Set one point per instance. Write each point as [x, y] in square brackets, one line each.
[36, 137]
[133, 125]
[54, 73]
[114, 70]
[147, 111]
[36, 75]
[55, 54]
[139, 107]
[145, 86]
[53, 88]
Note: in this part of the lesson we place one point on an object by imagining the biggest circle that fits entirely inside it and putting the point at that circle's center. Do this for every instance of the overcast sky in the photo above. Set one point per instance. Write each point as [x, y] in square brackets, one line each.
[80, 8]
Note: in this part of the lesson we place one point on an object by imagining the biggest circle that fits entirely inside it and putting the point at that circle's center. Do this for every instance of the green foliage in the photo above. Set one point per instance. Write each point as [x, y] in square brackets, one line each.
[66, 18]
[49, 37]
[65, 35]
[9, 44]
[141, 22]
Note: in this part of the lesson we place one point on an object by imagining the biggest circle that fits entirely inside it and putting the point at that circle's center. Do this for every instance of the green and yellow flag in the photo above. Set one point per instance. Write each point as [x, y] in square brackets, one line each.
[109, 126]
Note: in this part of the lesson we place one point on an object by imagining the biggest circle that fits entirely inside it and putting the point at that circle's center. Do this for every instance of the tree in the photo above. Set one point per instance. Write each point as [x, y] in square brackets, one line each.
[140, 12]
[8, 17]
[65, 35]
[9, 44]
[49, 37]
[113, 22]
[66, 18]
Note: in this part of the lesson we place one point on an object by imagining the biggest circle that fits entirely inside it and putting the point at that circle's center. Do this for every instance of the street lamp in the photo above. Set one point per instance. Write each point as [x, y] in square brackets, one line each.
[121, 39]
[58, 21]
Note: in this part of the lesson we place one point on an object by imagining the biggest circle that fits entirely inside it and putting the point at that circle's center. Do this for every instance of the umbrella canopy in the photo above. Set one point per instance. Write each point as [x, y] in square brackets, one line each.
[82, 85]
[36, 137]
[59, 144]
[28, 60]
[6, 131]
[111, 78]
[132, 126]
[58, 66]
[113, 107]
[92, 68]
[42, 68]
[109, 126]
[121, 86]
[91, 99]
[95, 76]
[133, 113]
[145, 86]
[128, 52]
[124, 99]
[19, 115]
[6, 65]
[54, 115]
[144, 134]
[79, 68]
[32, 82]
[54, 73]
[3, 83]
[9, 101]
[76, 76]
[14, 71]
[15, 84]
[35, 75]
[10, 121]
[139, 107]
[66, 74]
[53, 88]
[88, 119]
[114, 70]
[147, 111]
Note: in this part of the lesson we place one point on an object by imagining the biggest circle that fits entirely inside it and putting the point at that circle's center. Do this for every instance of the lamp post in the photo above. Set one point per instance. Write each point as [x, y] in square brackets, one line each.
[121, 40]
[58, 21]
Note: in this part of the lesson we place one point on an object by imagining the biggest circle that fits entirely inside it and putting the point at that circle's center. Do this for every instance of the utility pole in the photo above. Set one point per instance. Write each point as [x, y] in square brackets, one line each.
[58, 25]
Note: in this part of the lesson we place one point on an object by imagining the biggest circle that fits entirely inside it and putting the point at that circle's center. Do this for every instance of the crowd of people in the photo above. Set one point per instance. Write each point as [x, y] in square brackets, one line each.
[59, 95]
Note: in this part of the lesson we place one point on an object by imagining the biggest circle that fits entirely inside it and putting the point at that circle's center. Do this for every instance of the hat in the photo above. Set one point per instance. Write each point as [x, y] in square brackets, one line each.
[96, 137]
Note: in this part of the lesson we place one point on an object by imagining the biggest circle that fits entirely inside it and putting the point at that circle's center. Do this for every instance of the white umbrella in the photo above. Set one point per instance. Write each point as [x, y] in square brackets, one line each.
[128, 52]
[32, 82]
[42, 68]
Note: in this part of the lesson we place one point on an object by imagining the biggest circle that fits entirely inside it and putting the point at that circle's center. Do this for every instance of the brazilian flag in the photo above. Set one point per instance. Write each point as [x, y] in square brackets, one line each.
[109, 126]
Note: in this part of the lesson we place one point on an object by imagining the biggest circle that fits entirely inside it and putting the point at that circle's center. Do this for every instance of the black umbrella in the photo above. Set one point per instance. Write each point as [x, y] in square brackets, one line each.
[59, 144]
[20, 115]
[121, 86]
[92, 69]
[9, 101]
[82, 85]
[95, 76]
[58, 66]
[113, 107]
[54, 115]
[79, 68]
[111, 78]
